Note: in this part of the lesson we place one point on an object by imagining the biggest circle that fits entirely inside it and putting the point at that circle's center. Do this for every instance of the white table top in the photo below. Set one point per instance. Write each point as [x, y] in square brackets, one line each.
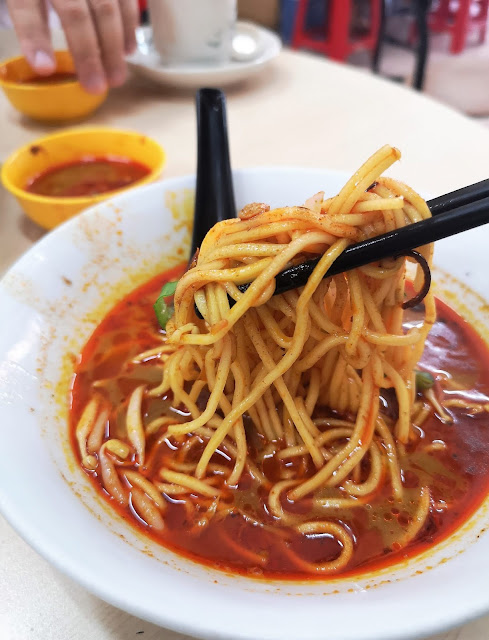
[302, 111]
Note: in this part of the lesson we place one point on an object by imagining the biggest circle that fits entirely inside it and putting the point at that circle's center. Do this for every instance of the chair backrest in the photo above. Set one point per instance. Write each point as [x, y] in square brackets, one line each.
[398, 7]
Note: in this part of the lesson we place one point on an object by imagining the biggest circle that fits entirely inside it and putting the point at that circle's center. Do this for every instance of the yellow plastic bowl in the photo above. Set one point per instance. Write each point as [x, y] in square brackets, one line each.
[70, 146]
[57, 102]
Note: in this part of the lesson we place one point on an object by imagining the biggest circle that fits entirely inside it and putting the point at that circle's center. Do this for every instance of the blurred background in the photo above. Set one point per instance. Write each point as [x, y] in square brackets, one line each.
[439, 46]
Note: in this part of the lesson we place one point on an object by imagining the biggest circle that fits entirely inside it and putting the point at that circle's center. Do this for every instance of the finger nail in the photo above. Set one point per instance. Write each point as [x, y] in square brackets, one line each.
[43, 62]
[95, 84]
[131, 48]
[116, 78]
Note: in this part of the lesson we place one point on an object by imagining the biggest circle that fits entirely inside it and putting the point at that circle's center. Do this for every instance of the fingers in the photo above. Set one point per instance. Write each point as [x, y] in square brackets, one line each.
[110, 31]
[130, 20]
[98, 32]
[30, 23]
[82, 38]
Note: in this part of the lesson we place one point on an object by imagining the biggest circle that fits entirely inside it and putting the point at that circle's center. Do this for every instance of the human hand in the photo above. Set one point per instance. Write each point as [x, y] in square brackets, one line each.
[99, 34]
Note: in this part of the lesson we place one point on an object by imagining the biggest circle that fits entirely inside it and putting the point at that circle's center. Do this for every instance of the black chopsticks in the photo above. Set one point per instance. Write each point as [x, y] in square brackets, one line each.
[457, 198]
[453, 213]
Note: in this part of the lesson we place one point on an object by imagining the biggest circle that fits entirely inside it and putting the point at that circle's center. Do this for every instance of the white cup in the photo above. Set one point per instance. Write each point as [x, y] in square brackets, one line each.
[193, 30]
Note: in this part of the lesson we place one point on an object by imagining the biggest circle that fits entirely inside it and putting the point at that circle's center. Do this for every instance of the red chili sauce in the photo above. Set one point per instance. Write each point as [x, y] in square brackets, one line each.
[87, 176]
[458, 475]
[60, 77]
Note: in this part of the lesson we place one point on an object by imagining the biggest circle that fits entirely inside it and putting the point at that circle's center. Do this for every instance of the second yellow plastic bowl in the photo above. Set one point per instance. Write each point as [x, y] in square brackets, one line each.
[69, 146]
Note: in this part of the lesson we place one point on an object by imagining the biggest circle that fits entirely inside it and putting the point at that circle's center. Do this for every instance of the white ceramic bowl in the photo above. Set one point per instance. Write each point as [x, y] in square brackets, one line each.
[51, 301]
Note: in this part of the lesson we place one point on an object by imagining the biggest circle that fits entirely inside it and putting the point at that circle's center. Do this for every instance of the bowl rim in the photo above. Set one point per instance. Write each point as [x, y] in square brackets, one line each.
[78, 200]
[28, 86]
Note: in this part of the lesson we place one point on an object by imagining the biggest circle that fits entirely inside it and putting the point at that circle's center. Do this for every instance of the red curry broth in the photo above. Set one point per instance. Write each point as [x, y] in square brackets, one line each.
[459, 475]
[87, 176]
[59, 77]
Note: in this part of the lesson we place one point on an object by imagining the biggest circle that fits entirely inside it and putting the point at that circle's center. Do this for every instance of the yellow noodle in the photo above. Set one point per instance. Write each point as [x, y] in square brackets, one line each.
[146, 510]
[110, 478]
[136, 479]
[296, 377]
[134, 423]
[118, 448]
[171, 489]
[95, 439]
[340, 534]
[189, 481]
[83, 430]
[418, 520]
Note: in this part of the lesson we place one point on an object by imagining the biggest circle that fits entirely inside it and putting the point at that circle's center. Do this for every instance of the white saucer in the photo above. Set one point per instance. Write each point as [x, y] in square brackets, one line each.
[246, 60]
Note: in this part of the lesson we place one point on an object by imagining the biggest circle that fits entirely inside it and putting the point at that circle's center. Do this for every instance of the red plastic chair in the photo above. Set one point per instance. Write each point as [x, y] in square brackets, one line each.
[143, 12]
[457, 20]
[337, 42]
